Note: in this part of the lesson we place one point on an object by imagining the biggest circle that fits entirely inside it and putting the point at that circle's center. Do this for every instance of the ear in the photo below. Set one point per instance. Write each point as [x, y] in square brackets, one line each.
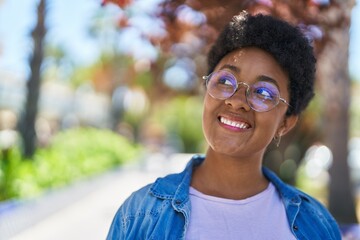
[288, 123]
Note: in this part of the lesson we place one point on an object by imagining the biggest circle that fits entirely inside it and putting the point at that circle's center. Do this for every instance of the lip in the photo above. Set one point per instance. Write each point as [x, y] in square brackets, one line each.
[234, 123]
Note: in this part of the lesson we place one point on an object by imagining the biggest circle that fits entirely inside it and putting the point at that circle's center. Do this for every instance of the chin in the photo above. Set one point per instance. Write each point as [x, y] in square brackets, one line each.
[225, 150]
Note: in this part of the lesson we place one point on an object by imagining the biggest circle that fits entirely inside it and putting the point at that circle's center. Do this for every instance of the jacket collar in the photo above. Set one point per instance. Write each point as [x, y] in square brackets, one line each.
[288, 193]
[176, 186]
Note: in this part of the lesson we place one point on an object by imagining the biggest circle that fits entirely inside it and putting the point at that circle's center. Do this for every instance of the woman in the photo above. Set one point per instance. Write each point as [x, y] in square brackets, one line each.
[261, 77]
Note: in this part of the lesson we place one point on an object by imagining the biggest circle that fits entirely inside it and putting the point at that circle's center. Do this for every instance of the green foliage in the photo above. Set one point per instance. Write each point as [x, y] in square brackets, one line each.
[81, 75]
[10, 159]
[73, 154]
[144, 79]
[182, 119]
[316, 187]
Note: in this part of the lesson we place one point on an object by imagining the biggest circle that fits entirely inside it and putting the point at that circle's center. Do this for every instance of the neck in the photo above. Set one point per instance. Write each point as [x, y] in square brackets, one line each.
[229, 177]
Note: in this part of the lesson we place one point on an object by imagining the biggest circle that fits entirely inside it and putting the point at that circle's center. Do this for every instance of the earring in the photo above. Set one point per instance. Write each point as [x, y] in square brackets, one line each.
[277, 139]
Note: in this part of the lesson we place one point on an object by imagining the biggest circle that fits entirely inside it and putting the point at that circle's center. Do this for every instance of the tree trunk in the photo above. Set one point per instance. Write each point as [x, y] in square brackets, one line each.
[335, 88]
[28, 118]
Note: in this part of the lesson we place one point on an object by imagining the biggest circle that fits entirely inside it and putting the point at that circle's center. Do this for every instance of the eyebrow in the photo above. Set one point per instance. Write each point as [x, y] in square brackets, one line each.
[261, 78]
[264, 78]
[231, 67]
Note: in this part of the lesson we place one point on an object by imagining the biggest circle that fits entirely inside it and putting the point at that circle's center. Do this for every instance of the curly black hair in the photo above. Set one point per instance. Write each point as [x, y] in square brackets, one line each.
[285, 42]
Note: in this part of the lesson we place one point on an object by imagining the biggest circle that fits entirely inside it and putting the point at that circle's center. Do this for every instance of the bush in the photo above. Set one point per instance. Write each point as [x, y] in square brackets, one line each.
[182, 119]
[74, 154]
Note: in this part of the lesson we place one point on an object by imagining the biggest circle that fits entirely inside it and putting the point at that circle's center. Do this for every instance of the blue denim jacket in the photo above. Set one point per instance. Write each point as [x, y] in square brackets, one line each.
[162, 210]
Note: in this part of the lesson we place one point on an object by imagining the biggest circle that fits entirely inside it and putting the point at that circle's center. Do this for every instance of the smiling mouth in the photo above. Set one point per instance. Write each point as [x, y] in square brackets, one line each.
[234, 124]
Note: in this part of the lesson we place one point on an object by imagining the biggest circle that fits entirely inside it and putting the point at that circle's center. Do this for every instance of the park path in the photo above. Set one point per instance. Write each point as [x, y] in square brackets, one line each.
[85, 210]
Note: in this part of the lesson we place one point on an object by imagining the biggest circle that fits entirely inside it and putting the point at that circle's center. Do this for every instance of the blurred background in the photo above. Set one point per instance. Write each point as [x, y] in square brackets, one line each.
[98, 98]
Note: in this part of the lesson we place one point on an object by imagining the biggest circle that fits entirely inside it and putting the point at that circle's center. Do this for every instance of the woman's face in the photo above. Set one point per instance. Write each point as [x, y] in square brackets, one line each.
[230, 126]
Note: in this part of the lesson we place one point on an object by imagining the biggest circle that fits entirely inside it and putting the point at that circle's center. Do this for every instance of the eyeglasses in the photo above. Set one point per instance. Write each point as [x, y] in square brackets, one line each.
[261, 96]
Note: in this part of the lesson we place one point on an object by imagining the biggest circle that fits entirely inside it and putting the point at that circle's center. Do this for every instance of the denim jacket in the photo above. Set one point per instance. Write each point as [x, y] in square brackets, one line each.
[162, 210]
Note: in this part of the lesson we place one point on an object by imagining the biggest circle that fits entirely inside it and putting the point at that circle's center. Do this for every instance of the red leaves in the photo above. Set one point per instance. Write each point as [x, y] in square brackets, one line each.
[120, 3]
[123, 20]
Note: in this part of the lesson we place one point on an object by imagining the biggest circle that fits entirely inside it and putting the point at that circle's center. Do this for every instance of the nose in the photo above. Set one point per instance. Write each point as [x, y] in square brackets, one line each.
[238, 99]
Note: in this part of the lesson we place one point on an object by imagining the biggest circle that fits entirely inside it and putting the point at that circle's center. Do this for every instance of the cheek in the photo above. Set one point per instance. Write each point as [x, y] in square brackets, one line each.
[269, 125]
[209, 107]
[206, 117]
[209, 116]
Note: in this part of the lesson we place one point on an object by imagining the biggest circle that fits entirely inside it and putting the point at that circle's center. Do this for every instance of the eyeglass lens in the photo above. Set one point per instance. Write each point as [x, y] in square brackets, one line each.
[261, 96]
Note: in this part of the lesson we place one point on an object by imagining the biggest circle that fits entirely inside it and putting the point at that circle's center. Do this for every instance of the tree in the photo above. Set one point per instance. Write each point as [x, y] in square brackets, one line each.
[335, 89]
[327, 24]
[28, 118]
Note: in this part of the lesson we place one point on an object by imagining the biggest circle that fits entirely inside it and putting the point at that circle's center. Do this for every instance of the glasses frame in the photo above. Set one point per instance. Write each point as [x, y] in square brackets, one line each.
[247, 92]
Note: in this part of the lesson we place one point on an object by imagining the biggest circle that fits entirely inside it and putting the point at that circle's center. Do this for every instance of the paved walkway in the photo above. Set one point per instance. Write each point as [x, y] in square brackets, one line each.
[84, 211]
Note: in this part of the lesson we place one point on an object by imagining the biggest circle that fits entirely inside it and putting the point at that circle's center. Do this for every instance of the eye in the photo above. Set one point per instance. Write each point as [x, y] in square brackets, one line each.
[264, 93]
[221, 85]
[224, 80]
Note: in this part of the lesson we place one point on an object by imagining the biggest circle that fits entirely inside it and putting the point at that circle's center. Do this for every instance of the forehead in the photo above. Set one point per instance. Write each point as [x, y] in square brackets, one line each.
[252, 60]
[251, 64]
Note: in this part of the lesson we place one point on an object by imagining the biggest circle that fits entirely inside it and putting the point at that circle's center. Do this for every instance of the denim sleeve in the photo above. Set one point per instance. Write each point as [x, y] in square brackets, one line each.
[122, 226]
[116, 231]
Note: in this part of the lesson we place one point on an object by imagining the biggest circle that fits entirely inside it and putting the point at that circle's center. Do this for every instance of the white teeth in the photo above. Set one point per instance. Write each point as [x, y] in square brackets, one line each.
[241, 125]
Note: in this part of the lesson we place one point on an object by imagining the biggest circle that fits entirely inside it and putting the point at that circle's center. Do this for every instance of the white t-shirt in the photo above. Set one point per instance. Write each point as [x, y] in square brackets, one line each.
[260, 217]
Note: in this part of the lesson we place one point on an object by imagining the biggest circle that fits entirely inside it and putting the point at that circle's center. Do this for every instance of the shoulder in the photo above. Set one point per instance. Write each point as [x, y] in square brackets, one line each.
[137, 198]
[291, 193]
[144, 208]
[164, 188]
[310, 204]
[128, 210]
[305, 210]
[314, 215]
[147, 199]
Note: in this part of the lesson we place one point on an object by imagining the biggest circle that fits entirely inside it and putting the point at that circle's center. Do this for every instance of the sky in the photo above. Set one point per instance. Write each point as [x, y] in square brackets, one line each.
[68, 23]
